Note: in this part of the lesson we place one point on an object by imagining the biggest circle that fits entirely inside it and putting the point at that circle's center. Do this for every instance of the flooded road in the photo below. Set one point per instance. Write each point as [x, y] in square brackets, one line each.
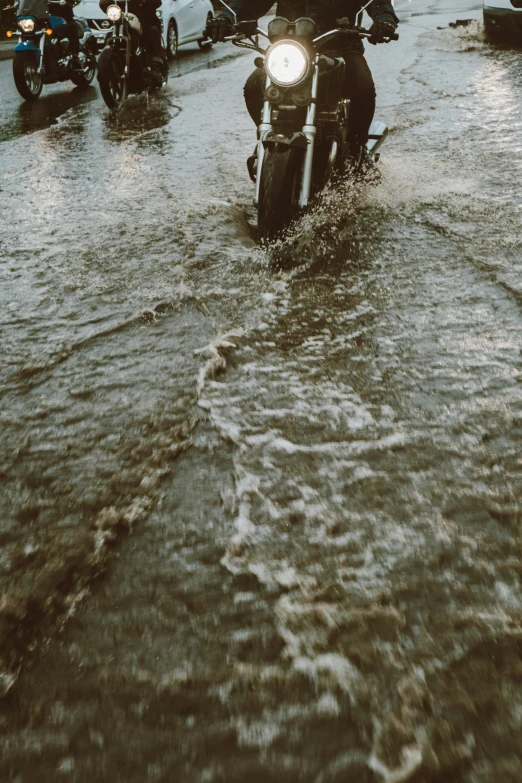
[295, 473]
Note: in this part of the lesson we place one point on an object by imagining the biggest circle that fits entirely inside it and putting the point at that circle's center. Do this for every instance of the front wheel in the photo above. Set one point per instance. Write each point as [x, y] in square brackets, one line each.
[113, 84]
[281, 175]
[28, 81]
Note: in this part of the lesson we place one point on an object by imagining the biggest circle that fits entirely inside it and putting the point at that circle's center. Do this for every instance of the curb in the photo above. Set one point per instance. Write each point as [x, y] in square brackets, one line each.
[6, 53]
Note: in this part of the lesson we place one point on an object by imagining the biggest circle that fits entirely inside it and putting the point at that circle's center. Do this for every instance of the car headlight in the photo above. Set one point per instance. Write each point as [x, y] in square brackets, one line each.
[26, 25]
[287, 63]
[114, 13]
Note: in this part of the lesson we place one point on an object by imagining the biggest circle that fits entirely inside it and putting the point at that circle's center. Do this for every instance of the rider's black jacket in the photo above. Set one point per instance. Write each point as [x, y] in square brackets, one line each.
[145, 10]
[71, 30]
[323, 12]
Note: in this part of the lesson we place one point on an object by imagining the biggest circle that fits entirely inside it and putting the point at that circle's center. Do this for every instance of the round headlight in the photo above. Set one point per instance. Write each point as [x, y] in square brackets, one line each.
[114, 13]
[287, 63]
[26, 25]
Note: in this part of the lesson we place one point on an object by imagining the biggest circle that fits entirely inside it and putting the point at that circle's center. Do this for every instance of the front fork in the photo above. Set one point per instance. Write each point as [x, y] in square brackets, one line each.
[42, 44]
[265, 127]
[309, 130]
[120, 33]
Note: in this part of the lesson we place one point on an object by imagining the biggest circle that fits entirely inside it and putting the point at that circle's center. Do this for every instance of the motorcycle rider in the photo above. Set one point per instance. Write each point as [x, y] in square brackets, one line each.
[70, 29]
[145, 10]
[359, 86]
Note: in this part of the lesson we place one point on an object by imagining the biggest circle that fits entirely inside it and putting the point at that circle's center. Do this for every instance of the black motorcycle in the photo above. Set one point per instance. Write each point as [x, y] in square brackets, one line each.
[124, 64]
[42, 55]
[302, 140]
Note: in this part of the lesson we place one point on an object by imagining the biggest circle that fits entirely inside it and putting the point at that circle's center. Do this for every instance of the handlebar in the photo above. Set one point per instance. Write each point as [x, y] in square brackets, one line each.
[355, 32]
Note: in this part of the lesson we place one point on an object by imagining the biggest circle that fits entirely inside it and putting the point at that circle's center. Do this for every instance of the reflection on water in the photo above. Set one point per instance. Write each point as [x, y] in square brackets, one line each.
[138, 116]
[40, 114]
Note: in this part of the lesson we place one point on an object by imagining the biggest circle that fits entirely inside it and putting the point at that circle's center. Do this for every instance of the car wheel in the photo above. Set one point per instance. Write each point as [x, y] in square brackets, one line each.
[172, 39]
[206, 43]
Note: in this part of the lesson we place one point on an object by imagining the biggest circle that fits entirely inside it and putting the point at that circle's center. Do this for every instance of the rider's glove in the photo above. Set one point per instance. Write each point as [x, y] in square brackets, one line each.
[219, 28]
[382, 30]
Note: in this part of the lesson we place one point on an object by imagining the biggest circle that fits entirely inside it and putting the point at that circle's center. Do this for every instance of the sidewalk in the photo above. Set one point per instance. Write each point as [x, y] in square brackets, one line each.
[6, 49]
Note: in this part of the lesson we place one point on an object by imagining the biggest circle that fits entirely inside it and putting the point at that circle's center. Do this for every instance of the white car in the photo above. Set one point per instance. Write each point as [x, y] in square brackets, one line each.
[183, 21]
[503, 18]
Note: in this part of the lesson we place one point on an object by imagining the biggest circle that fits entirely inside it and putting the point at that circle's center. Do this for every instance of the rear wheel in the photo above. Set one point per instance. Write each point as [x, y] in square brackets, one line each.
[172, 40]
[28, 81]
[113, 84]
[84, 77]
[280, 185]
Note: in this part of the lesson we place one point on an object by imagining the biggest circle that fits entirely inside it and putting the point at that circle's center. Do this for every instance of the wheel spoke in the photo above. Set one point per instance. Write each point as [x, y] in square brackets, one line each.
[32, 76]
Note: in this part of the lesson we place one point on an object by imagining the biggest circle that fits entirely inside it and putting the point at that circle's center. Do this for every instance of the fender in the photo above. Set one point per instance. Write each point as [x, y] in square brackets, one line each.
[28, 46]
[273, 138]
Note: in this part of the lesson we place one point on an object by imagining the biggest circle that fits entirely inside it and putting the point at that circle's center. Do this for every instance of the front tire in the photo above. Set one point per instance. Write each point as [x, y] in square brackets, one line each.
[281, 175]
[28, 81]
[113, 84]
[172, 40]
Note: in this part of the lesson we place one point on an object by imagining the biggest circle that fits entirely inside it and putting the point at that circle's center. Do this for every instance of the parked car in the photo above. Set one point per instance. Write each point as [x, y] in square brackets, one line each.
[503, 18]
[183, 22]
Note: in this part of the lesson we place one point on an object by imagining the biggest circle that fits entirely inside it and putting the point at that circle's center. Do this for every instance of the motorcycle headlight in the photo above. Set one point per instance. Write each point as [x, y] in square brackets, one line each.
[287, 63]
[114, 13]
[26, 25]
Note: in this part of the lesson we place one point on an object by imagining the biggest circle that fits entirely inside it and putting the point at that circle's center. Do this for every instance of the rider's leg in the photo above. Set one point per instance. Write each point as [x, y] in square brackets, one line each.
[70, 29]
[152, 37]
[74, 38]
[359, 87]
[152, 33]
[73, 35]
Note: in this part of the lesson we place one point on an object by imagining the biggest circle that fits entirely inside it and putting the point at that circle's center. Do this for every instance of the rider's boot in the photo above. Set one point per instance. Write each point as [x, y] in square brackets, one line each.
[252, 165]
[252, 162]
[157, 67]
[76, 63]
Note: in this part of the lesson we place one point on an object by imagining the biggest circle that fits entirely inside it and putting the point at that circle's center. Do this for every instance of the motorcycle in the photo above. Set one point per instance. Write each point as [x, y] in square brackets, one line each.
[124, 64]
[302, 139]
[42, 55]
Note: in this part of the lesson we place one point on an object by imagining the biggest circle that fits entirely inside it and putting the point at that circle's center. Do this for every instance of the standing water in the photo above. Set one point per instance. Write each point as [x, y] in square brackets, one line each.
[300, 467]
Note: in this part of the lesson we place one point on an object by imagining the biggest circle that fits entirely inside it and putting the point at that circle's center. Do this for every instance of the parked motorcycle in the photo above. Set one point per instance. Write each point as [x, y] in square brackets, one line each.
[124, 64]
[303, 137]
[42, 55]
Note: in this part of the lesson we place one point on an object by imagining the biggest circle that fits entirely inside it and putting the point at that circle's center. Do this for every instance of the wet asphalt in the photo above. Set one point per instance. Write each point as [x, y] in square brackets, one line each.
[260, 507]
